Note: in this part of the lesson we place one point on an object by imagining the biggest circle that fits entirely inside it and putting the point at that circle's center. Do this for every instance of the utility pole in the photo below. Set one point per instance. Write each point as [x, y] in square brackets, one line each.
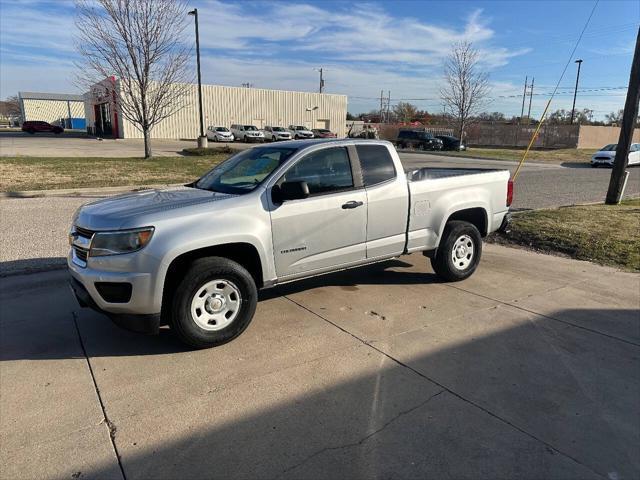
[381, 105]
[321, 79]
[575, 92]
[524, 95]
[388, 105]
[619, 173]
[530, 98]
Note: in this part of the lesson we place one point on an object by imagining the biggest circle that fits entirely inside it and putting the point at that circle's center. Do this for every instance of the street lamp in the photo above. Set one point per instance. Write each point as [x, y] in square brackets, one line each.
[202, 139]
[575, 93]
[311, 109]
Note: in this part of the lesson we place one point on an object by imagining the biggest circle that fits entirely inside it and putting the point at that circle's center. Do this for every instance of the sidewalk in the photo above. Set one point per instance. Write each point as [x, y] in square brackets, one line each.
[529, 369]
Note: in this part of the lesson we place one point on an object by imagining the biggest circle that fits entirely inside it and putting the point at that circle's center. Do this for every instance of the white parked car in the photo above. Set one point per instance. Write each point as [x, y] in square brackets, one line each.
[607, 154]
[274, 134]
[247, 133]
[299, 131]
[220, 134]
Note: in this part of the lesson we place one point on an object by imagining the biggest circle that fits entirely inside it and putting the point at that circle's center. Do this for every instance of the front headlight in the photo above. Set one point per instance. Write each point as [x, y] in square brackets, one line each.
[114, 243]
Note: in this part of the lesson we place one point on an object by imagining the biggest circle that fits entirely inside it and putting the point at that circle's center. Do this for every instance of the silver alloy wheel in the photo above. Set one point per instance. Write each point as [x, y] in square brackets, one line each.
[216, 305]
[462, 252]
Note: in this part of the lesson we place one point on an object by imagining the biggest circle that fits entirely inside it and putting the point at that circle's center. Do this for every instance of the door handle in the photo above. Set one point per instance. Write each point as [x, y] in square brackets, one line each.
[352, 204]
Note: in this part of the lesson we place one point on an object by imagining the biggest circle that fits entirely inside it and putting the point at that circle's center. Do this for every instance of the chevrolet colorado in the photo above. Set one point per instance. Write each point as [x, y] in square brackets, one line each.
[194, 257]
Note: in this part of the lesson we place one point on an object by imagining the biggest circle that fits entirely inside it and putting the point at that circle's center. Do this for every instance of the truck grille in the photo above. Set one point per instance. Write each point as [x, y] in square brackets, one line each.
[82, 253]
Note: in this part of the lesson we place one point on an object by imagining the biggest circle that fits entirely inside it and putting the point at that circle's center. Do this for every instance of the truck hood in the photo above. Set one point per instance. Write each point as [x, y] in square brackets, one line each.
[132, 209]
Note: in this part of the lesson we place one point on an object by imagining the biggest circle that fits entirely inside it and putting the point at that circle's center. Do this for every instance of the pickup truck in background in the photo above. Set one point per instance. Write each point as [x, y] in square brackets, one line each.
[194, 257]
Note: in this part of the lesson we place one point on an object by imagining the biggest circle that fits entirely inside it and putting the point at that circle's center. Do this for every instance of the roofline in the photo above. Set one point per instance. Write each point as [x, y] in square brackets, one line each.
[50, 96]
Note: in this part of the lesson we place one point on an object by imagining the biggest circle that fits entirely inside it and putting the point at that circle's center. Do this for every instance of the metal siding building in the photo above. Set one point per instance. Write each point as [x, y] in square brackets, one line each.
[51, 107]
[224, 106]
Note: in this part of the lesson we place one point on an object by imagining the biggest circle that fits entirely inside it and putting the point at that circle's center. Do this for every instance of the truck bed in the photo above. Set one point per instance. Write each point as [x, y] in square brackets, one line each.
[430, 173]
[434, 193]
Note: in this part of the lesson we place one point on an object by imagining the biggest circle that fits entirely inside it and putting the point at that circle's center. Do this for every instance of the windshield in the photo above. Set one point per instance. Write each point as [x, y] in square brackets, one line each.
[278, 129]
[609, 148]
[322, 130]
[243, 172]
[222, 129]
[250, 128]
[299, 127]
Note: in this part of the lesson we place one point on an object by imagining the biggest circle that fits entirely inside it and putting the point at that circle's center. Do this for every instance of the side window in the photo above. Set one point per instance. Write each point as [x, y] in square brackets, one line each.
[325, 171]
[376, 164]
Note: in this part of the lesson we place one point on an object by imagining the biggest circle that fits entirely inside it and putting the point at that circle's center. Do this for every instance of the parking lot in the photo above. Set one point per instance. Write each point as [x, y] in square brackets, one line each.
[376, 372]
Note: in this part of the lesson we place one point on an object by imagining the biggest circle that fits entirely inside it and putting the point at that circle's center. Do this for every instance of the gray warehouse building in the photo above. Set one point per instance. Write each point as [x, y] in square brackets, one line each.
[222, 106]
[64, 109]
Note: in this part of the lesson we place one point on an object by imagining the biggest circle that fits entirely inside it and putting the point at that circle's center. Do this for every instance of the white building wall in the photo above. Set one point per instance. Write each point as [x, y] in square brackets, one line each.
[224, 106]
[51, 110]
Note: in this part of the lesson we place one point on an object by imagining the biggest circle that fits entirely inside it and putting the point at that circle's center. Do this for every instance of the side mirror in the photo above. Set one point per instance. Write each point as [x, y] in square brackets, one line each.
[290, 191]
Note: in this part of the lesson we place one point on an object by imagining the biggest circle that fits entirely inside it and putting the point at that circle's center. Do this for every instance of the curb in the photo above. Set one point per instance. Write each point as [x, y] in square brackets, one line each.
[79, 192]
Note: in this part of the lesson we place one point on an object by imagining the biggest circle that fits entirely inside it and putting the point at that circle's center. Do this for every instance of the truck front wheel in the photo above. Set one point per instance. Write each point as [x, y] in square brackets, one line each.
[459, 251]
[214, 302]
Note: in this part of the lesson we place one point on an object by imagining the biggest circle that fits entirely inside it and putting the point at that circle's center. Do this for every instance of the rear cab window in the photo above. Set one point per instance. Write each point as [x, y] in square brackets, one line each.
[376, 164]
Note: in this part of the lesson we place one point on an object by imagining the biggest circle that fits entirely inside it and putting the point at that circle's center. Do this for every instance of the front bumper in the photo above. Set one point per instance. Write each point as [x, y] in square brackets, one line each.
[141, 323]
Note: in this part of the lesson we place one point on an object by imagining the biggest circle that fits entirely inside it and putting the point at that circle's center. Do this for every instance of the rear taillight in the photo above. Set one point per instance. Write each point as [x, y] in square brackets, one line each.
[509, 192]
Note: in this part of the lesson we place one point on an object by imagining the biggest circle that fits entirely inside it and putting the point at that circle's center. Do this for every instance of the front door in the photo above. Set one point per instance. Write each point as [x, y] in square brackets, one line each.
[327, 229]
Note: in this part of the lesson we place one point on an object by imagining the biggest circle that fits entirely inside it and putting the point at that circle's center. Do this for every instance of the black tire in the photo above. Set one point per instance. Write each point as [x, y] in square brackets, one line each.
[594, 165]
[443, 263]
[31, 131]
[200, 272]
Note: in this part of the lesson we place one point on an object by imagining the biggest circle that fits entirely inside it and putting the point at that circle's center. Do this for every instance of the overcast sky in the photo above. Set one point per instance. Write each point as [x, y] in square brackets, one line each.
[363, 48]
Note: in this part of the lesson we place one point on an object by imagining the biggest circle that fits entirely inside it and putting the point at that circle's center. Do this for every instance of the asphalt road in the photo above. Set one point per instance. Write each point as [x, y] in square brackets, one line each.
[529, 369]
[541, 185]
[34, 233]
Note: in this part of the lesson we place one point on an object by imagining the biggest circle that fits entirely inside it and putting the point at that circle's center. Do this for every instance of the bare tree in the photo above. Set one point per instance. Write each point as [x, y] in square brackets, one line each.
[10, 107]
[465, 85]
[140, 43]
[405, 111]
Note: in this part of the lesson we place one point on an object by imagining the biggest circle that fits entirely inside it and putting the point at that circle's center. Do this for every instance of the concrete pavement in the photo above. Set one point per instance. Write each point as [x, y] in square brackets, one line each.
[528, 369]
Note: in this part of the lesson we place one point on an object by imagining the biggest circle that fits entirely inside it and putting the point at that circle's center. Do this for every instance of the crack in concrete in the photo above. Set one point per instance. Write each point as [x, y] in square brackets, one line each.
[363, 439]
[105, 419]
[549, 446]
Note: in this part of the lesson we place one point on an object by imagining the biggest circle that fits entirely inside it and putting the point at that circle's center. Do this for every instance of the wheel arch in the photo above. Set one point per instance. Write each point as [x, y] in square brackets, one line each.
[476, 216]
[246, 254]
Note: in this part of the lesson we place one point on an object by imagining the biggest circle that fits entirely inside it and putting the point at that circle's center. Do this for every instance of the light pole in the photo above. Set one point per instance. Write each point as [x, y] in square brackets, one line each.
[311, 109]
[202, 139]
[575, 92]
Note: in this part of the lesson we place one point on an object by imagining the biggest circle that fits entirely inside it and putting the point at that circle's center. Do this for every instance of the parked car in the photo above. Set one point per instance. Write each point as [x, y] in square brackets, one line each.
[274, 134]
[300, 131]
[247, 133]
[195, 256]
[220, 134]
[607, 154]
[323, 133]
[418, 139]
[38, 126]
[451, 143]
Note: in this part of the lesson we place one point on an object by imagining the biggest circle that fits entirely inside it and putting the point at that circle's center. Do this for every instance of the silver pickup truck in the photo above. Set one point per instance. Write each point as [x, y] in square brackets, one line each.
[194, 257]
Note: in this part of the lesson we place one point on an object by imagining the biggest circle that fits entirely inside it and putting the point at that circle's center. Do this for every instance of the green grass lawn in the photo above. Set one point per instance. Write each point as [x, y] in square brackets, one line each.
[562, 155]
[44, 173]
[605, 234]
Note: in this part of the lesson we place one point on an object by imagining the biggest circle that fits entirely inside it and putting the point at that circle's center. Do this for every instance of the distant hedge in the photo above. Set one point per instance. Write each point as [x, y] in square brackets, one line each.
[202, 152]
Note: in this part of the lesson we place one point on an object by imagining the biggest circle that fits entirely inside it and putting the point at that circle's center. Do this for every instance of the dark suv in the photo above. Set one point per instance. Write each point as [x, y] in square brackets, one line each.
[33, 127]
[418, 139]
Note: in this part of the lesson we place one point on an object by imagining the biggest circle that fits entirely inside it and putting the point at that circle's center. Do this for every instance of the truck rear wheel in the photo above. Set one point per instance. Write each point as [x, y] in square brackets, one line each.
[459, 252]
[214, 302]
